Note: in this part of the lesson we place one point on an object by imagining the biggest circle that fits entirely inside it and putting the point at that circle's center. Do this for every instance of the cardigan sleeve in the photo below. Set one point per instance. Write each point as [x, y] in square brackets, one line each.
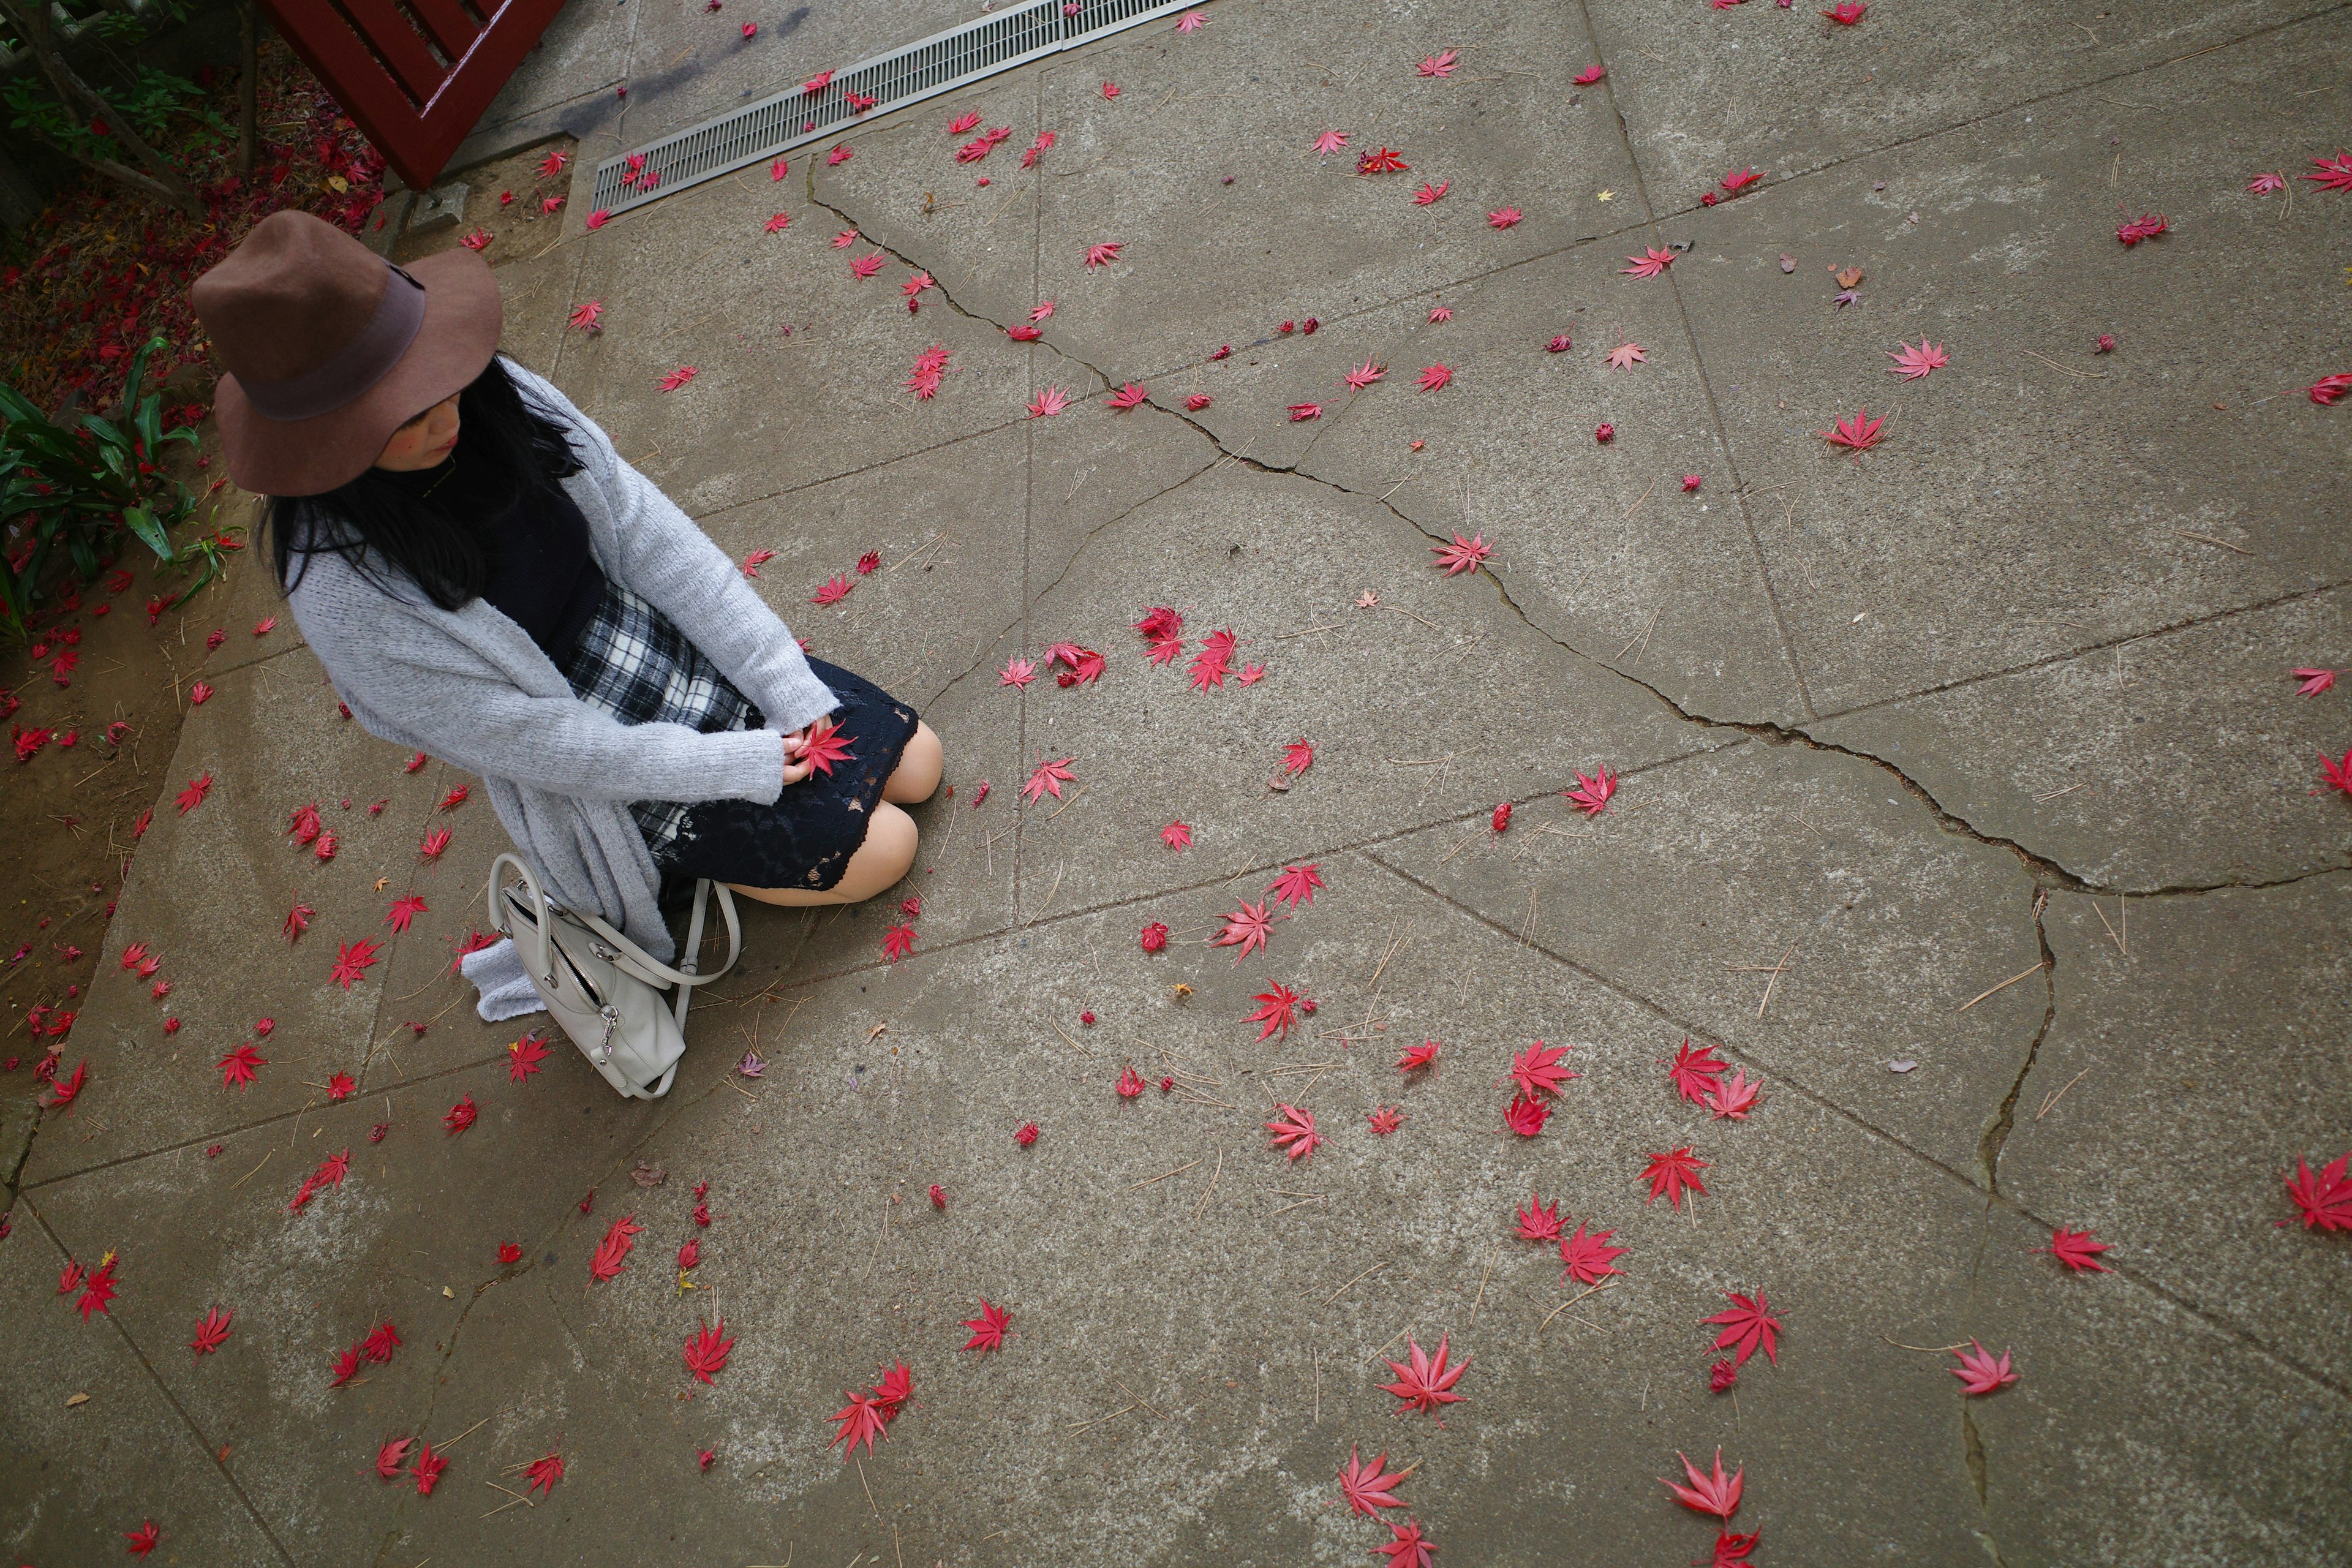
[418, 686]
[667, 557]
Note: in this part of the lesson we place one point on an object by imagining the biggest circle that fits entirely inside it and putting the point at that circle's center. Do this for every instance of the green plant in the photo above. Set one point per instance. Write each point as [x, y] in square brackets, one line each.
[69, 492]
[149, 104]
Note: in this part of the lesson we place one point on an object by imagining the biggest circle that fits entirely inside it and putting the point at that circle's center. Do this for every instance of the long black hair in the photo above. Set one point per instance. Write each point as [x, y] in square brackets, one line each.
[430, 526]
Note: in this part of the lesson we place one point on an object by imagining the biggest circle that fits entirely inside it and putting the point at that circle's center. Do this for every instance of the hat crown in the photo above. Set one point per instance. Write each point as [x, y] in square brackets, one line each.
[292, 296]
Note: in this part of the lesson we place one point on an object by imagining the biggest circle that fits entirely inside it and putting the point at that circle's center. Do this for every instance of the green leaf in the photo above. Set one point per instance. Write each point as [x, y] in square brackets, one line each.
[142, 522]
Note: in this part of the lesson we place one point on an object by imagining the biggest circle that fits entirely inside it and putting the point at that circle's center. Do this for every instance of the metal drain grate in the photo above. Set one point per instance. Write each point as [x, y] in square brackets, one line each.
[938, 64]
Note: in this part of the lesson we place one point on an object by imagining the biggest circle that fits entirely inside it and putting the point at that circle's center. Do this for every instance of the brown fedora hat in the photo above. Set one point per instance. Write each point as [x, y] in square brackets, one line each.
[328, 348]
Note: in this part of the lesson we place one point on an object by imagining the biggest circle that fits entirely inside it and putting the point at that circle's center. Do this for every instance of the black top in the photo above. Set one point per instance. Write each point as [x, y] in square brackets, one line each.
[544, 577]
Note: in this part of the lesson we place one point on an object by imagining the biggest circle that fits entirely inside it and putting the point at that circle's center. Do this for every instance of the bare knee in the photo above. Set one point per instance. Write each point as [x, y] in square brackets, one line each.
[886, 855]
[917, 772]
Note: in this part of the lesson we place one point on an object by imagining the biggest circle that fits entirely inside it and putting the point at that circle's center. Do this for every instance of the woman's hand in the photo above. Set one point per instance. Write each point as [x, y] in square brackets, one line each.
[797, 766]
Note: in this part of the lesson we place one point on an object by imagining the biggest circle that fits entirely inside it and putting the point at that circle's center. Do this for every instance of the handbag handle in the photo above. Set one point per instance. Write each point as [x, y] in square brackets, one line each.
[686, 977]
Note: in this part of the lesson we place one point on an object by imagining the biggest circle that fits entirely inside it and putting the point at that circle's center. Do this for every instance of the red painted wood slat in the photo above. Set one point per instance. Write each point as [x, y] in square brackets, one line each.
[417, 142]
[447, 22]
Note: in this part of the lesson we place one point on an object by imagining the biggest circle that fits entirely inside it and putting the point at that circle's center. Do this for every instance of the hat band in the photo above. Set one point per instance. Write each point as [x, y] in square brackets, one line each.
[358, 365]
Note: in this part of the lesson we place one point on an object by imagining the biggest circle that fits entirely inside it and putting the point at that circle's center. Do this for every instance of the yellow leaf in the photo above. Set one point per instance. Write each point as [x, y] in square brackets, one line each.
[76, 1399]
[337, 184]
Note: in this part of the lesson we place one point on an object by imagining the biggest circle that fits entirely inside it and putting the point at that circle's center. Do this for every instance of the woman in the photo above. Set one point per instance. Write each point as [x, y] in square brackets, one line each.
[487, 580]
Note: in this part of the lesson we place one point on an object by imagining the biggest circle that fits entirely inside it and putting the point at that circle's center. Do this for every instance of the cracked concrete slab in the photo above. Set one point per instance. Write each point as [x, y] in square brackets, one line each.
[2164, 1007]
[1944, 554]
[2197, 730]
[1781, 89]
[1764, 856]
[209, 893]
[92, 1447]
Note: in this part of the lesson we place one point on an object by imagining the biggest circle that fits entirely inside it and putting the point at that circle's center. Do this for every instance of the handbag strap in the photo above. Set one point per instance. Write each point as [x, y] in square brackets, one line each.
[684, 977]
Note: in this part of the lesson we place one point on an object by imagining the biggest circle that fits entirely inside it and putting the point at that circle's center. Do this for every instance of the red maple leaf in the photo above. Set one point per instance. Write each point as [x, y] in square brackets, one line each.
[347, 1366]
[1154, 937]
[1671, 1172]
[1732, 1549]
[1589, 1259]
[2077, 1249]
[1716, 1494]
[1434, 376]
[433, 843]
[63, 1091]
[613, 1251]
[708, 1351]
[1208, 665]
[2335, 174]
[69, 1277]
[1383, 162]
[1331, 142]
[1694, 1072]
[343, 1085]
[1505, 218]
[1537, 1069]
[1127, 396]
[392, 1457]
[1650, 264]
[97, 1289]
[455, 798]
[1441, 64]
[1277, 1008]
[1981, 1372]
[1589, 75]
[237, 1067]
[2338, 774]
[524, 1056]
[1294, 1132]
[1296, 758]
[1102, 255]
[143, 1539]
[1018, 672]
[461, 1115]
[543, 1473]
[1365, 1488]
[1462, 555]
[353, 962]
[1860, 433]
[1385, 1120]
[1429, 195]
[1538, 1221]
[834, 590]
[1747, 1323]
[2314, 682]
[871, 561]
[1913, 361]
[1426, 1384]
[1297, 885]
[1420, 1055]
[212, 1331]
[825, 746]
[1246, 926]
[1590, 795]
[1048, 779]
[1407, 1546]
[2325, 1198]
[512, 1252]
[671, 380]
[1739, 180]
[2148, 226]
[404, 911]
[896, 1386]
[378, 1346]
[987, 1328]
[898, 941]
[429, 1466]
[1734, 1097]
[588, 317]
[193, 795]
[1848, 12]
[1177, 835]
[1525, 1115]
[859, 1421]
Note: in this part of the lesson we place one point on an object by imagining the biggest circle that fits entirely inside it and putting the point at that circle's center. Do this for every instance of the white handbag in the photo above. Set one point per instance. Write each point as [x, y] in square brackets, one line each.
[604, 989]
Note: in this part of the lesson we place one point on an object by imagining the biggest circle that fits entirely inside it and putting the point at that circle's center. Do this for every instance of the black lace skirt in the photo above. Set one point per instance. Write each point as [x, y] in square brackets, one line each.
[634, 663]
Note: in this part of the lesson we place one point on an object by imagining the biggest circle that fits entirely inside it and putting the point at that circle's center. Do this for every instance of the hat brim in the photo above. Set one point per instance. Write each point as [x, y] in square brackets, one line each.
[463, 318]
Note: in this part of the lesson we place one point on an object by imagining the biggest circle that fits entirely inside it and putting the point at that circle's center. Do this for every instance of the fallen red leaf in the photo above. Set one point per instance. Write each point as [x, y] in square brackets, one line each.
[1463, 554]
[613, 1252]
[1246, 927]
[2078, 1250]
[708, 1351]
[1365, 1488]
[1420, 1055]
[1294, 1132]
[1537, 1069]
[1297, 885]
[1981, 1372]
[1538, 1221]
[1589, 1259]
[392, 1457]
[1276, 1009]
[1427, 1384]
[429, 1466]
[898, 941]
[1048, 779]
[353, 962]
[237, 1069]
[142, 1540]
[543, 1473]
[1407, 1547]
[1694, 1072]
[1747, 1323]
[1860, 432]
[987, 1328]
[1671, 1172]
[1527, 1115]
[1652, 262]
[1590, 796]
[2325, 1197]
[404, 911]
[212, 1331]
[1715, 1494]
[1734, 1097]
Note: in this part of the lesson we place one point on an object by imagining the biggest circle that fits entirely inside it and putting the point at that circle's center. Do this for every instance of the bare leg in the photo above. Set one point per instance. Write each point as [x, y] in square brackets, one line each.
[887, 855]
[917, 772]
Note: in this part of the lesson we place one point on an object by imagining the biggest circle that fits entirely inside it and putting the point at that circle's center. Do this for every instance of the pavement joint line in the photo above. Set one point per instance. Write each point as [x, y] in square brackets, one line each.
[1993, 1198]
[220, 1467]
[1713, 409]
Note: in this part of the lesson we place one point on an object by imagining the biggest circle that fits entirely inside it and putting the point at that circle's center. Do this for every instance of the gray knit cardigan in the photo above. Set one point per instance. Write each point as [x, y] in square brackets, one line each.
[471, 686]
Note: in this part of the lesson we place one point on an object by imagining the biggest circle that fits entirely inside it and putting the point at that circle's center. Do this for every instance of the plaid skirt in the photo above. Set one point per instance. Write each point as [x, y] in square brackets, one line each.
[631, 663]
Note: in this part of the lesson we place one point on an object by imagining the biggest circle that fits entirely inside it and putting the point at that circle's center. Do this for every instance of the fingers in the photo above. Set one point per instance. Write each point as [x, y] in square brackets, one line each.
[795, 772]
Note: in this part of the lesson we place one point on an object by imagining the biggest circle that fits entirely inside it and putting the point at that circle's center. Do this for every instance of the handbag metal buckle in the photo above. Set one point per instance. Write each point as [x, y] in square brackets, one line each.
[603, 1051]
